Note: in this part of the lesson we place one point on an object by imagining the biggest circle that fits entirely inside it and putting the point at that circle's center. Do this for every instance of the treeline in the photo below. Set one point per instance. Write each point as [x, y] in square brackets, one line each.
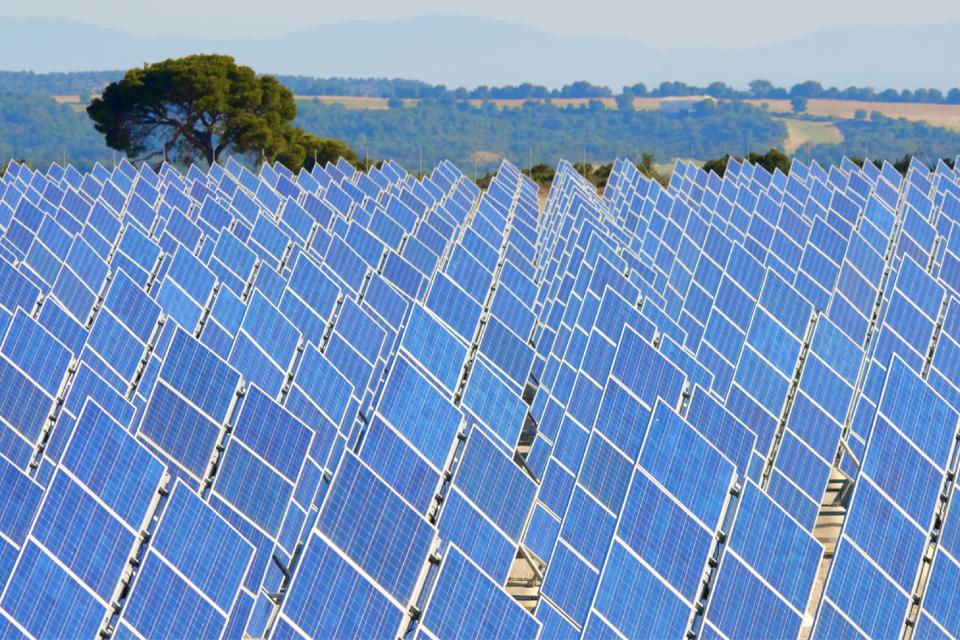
[756, 90]
[86, 82]
[56, 84]
[414, 89]
[597, 174]
[765, 90]
[538, 132]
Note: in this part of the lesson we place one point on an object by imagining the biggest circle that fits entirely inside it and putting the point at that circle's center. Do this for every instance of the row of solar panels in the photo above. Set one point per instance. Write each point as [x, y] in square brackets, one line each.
[231, 405]
[338, 404]
[794, 324]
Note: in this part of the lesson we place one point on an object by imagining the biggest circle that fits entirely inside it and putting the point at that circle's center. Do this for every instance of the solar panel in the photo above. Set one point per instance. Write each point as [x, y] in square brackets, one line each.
[886, 514]
[434, 347]
[774, 560]
[239, 401]
[96, 496]
[392, 549]
[665, 495]
[420, 412]
[195, 564]
[465, 602]
[496, 406]
[331, 597]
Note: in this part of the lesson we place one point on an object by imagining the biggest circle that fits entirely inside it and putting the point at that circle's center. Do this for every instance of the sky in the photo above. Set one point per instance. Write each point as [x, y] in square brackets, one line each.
[723, 23]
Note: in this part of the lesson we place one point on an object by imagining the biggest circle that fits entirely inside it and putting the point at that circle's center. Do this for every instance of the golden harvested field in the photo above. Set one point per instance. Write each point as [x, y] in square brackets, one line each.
[73, 102]
[353, 102]
[941, 115]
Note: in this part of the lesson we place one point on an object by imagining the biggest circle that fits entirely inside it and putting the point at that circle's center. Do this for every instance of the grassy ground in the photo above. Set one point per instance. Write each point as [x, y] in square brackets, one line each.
[800, 132]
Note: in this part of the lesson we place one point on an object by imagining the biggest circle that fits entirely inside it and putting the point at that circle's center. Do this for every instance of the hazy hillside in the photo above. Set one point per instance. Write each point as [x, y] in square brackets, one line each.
[482, 51]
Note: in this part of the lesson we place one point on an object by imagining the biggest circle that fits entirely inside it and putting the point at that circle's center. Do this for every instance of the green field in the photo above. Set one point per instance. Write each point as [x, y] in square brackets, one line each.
[801, 132]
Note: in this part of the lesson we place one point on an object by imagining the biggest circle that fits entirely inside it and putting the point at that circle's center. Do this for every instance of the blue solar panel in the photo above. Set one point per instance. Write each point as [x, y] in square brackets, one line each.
[891, 511]
[463, 524]
[410, 403]
[262, 461]
[36, 352]
[195, 564]
[132, 307]
[494, 483]
[103, 456]
[465, 603]
[495, 404]
[330, 597]
[771, 557]
[400, 465]
[24, 405]
[433, 346]
[660, 612]
[199, 376]
[589, 311]
[179, 430]
[724, 431]
[645, 371]
[70, 610]
[507, 351]
[372, 524]
[17, 512]
[570, 582]
[329, 389]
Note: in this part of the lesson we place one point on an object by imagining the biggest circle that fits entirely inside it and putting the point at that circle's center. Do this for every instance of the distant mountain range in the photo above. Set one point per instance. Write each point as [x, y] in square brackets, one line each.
[465, 51]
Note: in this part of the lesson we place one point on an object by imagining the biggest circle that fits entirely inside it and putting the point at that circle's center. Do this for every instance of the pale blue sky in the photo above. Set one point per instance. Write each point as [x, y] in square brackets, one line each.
[726, 23]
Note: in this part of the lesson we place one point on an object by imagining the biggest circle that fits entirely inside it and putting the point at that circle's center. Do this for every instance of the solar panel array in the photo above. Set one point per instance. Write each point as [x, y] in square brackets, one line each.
[346, 404]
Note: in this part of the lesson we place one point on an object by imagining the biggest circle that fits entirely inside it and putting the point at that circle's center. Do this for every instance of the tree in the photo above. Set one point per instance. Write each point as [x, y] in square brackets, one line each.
[625, 100]
[717, 165]
[808, 89]
[647, 167]
[199, 106]
[860, 114]
[720, 90]
[761, 88]
[595, 105]
[542, 174]
[771, 160]
[798, 104]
